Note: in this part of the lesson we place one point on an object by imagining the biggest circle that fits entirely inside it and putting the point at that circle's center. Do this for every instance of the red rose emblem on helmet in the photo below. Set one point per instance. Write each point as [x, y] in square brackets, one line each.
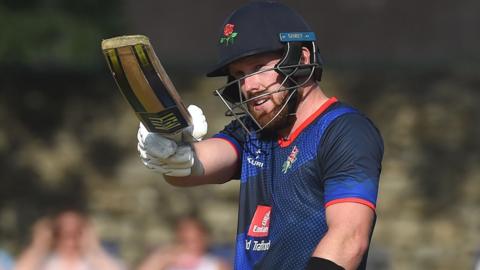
[228, 34]
[228, 30]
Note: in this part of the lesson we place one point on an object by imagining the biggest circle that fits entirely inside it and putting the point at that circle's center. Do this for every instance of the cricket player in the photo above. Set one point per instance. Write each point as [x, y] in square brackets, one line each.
[308, 164]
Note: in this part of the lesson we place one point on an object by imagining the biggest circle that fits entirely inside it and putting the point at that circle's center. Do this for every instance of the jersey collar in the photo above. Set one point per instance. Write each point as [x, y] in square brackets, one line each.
[286, 142]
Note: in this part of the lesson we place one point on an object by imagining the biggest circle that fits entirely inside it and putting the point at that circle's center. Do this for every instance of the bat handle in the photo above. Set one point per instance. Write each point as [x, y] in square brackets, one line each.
[182, 136]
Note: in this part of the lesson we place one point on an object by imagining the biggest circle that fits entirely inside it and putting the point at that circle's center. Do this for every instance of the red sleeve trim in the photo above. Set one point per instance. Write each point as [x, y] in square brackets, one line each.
[355, 200]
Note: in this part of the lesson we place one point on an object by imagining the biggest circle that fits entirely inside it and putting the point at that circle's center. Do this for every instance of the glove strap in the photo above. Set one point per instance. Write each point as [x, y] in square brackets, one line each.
[197, 168]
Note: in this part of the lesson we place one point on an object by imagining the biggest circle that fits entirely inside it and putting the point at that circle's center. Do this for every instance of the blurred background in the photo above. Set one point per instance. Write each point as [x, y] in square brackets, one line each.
[68, 139]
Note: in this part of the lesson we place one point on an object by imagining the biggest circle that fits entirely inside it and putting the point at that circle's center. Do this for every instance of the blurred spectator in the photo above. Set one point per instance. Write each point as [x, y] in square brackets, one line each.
[189, 252]
[6, 262]
[66, 243]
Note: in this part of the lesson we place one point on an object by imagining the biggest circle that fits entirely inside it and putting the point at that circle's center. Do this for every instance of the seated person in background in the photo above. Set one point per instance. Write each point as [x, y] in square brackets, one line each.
[189, 252]
[67, 242]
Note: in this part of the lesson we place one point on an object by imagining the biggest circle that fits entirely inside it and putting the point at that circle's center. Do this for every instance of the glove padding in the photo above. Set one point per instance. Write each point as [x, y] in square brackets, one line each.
[164, 155]
[199, 126]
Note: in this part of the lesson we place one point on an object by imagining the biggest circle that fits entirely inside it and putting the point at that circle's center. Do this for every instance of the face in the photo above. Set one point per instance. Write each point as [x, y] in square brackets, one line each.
[263, 85]
[69, 227]
[192, 235]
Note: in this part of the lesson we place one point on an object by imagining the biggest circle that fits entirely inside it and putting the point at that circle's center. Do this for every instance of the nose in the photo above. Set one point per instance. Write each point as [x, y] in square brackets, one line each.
[250, 84]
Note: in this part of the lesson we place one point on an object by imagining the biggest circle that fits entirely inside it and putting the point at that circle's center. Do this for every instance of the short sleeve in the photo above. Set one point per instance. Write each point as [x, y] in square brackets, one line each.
[350, 157]
[235, 135]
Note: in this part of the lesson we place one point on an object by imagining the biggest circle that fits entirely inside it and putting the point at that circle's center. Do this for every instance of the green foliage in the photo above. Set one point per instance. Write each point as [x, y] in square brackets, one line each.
[56, 34]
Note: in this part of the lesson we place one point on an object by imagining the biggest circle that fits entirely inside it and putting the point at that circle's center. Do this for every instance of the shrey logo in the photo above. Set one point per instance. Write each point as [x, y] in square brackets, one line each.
[228, 34]
[260, 221]
[165, 122]
[290, 160]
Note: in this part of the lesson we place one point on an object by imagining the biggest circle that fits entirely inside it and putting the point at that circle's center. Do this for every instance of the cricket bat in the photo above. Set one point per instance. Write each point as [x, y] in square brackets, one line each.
[145, 85]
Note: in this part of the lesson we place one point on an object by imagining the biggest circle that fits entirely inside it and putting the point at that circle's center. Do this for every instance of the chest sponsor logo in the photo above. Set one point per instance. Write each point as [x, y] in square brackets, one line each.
[254, 161]
[257, 245]
[290, 160]
[260, 222]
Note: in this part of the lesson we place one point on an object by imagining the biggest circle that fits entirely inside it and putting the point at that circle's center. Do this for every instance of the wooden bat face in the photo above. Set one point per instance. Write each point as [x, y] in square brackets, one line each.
[145, 85]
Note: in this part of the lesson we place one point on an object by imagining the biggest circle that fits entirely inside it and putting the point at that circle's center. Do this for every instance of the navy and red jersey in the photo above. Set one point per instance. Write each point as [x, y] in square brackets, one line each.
[334, 156]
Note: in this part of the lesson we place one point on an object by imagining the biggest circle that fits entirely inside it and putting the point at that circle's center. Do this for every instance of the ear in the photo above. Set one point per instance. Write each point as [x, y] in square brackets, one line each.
[305, 58]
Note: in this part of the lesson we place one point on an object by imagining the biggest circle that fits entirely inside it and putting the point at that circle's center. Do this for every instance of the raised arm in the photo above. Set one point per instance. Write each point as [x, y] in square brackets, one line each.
[33, 257]
[211, 161]
[218, 159]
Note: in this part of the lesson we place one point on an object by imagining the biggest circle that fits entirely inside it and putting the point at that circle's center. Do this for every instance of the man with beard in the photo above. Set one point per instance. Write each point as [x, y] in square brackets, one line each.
[308, 164]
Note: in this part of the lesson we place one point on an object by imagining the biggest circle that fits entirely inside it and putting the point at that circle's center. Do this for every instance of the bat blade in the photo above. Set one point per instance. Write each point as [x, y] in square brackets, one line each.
[145, 85]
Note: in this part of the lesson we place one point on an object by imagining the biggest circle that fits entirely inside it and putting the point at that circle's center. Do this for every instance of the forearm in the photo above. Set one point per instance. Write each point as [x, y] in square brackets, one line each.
[345, 248]
[189, 181]
[218, 159]
[347, 239]
[31, 259]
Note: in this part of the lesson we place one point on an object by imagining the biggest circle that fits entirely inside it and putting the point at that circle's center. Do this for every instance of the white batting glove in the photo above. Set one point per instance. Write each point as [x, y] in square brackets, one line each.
[199, 127]
[163, 155]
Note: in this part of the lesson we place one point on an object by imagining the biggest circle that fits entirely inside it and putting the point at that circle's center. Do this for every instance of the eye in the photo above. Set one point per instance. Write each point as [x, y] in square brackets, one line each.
[263, 67]
[259, 67]
[237, 74]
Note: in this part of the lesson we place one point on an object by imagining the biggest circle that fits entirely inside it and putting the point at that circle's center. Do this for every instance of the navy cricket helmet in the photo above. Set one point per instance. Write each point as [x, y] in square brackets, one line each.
[260, 27]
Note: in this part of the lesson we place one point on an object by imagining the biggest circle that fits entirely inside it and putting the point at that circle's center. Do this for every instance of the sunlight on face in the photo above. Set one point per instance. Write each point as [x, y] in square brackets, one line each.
[263, 85]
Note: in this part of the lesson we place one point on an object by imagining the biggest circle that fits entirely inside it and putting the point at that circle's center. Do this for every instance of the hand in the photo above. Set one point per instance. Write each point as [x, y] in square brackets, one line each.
[42, 234]
[90, 242]
[163, 155]
[199, 127]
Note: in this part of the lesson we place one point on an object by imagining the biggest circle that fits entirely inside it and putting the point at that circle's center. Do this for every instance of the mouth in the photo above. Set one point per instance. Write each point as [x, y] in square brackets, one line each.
[258, 102]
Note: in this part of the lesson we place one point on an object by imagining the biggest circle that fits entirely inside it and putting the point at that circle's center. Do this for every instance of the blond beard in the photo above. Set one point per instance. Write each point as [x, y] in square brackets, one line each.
[281, 121]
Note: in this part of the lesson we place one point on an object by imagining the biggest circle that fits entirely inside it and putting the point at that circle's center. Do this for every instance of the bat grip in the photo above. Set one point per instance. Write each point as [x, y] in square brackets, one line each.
[183, 136]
